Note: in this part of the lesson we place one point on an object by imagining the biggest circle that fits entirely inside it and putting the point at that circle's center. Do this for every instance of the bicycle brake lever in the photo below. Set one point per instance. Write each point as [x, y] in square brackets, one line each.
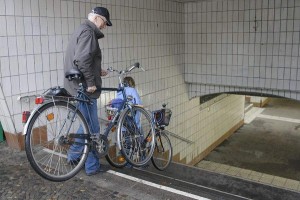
[142, 69]
[110, 69]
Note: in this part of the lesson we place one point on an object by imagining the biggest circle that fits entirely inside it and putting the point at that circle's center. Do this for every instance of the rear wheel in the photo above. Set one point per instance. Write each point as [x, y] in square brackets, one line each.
[163, 152]
[56, 141]
[136, 136]
[114, 156]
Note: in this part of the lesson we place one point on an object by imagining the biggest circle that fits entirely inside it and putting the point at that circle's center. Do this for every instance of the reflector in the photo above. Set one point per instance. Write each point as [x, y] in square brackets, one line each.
[50, 116]
[25, 116]
[39, 100]
[121, 159]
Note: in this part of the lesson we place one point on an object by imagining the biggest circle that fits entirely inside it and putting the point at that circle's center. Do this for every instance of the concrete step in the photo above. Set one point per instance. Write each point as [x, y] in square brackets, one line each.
[251, 114]
[248, 107]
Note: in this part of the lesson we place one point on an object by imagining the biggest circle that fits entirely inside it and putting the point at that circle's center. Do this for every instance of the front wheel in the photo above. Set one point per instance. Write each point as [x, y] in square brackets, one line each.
[56, 141]
[163, 151]
[136, 136]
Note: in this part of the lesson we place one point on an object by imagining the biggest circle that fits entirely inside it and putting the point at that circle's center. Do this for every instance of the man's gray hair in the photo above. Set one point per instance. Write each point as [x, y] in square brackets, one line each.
[92, 16]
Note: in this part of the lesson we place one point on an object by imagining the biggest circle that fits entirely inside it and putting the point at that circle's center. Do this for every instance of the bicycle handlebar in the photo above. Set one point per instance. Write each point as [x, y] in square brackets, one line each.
[110, 89]
[122, 72]
[135, 65]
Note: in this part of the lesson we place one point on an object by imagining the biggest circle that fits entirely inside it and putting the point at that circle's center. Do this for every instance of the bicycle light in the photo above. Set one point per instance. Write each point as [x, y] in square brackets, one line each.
[121, 159]
[25, 116]
[39, 100]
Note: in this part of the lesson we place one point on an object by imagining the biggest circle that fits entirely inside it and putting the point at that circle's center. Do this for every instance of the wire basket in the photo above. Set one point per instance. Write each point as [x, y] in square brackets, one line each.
[112, 108]
[162, 117]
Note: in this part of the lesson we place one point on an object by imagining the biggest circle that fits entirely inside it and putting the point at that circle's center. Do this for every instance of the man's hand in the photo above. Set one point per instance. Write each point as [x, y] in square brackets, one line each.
[91, 89]
[103, 72]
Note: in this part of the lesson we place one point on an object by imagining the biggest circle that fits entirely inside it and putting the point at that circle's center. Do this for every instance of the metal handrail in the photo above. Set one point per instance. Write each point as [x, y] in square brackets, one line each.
[178, 137]
[167, 132]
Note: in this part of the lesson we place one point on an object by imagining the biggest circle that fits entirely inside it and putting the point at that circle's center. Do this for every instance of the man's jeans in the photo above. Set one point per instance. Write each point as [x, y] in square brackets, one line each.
[92, 163]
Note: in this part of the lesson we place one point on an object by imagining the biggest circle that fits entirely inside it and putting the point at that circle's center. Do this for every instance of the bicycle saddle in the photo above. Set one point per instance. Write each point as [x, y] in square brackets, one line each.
[72, 74]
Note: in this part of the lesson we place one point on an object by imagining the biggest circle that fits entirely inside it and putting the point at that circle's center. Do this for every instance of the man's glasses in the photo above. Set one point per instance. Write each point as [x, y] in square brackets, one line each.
[104, 20]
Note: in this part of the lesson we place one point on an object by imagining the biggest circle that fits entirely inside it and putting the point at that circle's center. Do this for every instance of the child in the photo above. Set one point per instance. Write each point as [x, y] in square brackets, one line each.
[130, 90]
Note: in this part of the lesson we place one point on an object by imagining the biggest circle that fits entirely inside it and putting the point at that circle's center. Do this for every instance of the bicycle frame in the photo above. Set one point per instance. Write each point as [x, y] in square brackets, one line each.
[81, 96]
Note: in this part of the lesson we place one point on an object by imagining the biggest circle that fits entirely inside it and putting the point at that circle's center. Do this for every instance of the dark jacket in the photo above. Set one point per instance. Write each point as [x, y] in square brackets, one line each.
[83, 52]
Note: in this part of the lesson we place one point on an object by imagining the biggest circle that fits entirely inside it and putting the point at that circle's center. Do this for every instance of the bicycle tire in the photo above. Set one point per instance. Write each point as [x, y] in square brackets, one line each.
[114, 156]
[48, 141]
[163, 151]
[136, 136]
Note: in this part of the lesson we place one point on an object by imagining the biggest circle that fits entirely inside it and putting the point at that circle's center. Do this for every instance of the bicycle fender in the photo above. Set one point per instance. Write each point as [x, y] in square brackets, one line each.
[32, 114]
[120, 128]
[29, 119]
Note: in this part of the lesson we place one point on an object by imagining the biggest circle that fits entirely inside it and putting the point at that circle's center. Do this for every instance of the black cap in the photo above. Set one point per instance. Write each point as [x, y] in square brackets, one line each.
[103, 12]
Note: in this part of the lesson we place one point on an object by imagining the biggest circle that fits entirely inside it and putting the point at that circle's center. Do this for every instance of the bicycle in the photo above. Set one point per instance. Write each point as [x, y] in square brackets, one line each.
[163, 150]
[123, 144]
[57, 125]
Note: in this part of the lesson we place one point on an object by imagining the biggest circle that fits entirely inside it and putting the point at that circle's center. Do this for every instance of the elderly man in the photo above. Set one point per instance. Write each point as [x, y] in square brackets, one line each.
[83, 52]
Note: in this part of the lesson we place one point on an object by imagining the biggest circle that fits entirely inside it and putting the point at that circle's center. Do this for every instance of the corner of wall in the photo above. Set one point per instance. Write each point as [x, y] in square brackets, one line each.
[5, 115]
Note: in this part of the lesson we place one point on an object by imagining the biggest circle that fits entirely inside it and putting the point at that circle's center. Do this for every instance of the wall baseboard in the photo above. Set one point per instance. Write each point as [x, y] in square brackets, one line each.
[15, 141]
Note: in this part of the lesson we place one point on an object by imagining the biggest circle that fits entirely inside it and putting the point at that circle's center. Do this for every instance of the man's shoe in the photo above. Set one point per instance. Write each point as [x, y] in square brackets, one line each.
[95, 172]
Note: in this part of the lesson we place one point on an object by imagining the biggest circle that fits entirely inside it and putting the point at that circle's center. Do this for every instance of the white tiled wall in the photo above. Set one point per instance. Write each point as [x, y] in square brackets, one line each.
[34, 36]
[257, 100]
[206, 123]
[243, 45]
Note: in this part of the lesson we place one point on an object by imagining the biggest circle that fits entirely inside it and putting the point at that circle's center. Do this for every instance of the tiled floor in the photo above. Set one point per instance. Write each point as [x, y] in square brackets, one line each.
[250, 175]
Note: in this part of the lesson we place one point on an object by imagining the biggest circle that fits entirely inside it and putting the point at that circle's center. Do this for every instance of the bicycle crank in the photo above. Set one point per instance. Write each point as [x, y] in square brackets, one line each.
[101, 145]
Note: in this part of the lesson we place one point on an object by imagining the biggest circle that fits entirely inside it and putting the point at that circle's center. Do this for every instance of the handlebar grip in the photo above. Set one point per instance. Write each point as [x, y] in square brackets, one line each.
[135, 65]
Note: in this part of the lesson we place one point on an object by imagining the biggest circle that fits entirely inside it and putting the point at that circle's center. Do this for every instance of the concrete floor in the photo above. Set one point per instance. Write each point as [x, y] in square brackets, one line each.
[248, 146]
[270, 144]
